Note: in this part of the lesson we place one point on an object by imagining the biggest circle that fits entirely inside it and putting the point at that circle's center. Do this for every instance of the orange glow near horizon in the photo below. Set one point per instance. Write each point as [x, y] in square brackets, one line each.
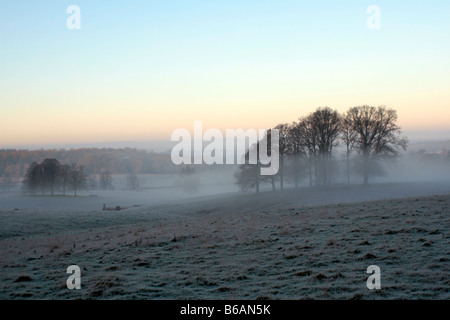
[134, 124]
[156, 69]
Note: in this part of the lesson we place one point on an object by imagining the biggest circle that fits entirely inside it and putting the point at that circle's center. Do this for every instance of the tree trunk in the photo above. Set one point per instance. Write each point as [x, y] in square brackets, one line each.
[329, 169]
[366, 168]
[330, 176]
[348, 167]
[323, 169]
[310, 174]
[316, 172]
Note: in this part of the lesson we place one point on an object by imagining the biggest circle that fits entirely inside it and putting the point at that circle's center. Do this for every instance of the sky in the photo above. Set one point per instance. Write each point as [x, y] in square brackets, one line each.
[138, 70]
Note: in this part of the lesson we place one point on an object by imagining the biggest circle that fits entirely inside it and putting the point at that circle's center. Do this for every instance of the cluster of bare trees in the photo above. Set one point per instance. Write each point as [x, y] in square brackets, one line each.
[307, 147]
[106, 180]
[133, 183]
[14, 163]
[52, 176]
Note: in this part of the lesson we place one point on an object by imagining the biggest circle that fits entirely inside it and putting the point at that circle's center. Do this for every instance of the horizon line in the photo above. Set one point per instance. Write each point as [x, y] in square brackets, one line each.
[165, 145]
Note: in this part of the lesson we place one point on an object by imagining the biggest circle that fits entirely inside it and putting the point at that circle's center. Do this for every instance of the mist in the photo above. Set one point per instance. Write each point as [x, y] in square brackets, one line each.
[421, 170]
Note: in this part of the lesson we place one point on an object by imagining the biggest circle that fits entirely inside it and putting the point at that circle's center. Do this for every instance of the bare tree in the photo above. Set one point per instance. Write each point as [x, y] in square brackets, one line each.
[78, 178]
[304, 134]
[248, 176]
[326, 124]
[33, 178]
[376, 134]
[316, 136]
[64, 174]
[299, 150]
[132, 181]
[348, 137]
[268, 151]
[284, 148]
[106, 180]
[42, 175]
[50, 170]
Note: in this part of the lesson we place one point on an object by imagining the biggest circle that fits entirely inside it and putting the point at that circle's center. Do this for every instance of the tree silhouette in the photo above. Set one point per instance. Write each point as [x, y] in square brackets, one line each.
[284, 149]
[106, 180]
[326, 125]
[249, 175]
[300, 150]
[376, 134]
[78, 178]
[132, 181]
[50, 172]
[348, 137]
[64, 174]
[316, 136]
[33, 178]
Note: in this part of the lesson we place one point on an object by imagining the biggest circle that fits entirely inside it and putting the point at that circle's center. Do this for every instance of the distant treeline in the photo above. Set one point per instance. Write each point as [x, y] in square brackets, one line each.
[14, 163]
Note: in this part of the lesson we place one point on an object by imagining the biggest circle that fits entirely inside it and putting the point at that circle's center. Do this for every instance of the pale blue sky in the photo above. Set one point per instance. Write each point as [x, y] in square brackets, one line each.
[149, 67]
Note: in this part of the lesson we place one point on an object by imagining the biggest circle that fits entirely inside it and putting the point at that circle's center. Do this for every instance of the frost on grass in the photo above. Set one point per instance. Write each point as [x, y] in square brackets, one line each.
[291, 251]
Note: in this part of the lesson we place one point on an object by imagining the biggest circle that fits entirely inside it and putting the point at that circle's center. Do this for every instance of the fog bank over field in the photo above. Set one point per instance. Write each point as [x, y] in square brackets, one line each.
[423, 169]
